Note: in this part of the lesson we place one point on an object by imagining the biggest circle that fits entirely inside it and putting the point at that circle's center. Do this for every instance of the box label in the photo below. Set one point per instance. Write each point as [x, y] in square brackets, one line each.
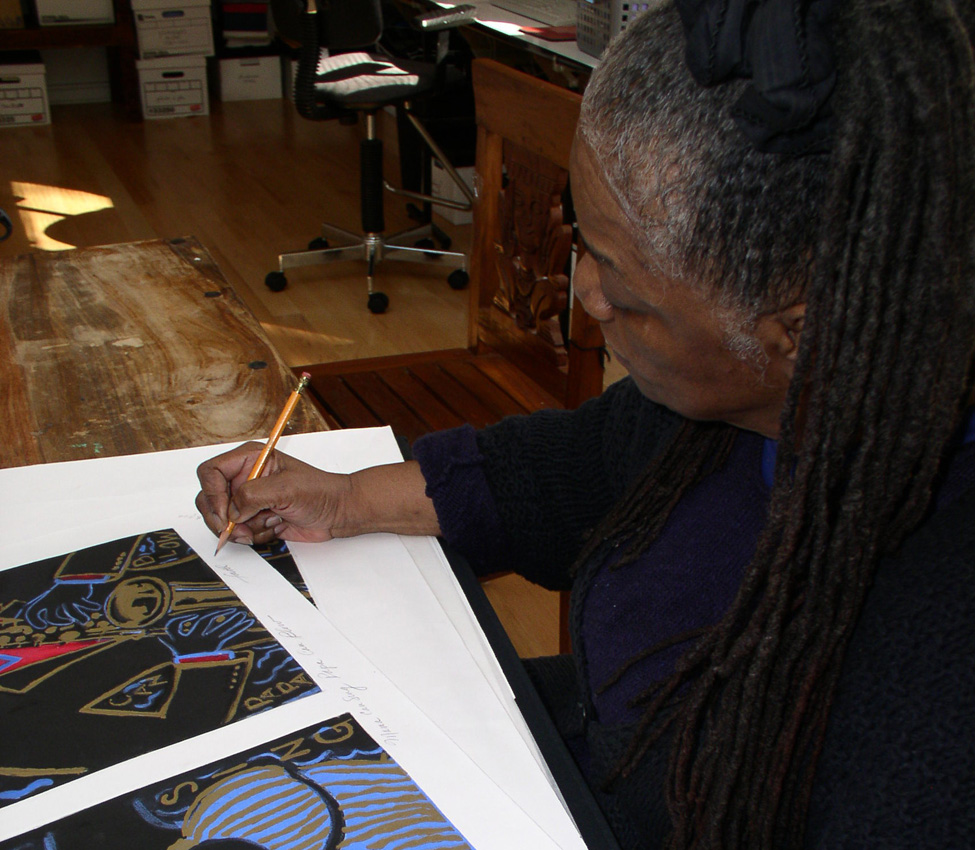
[23, 105]
[59, 12]
[173, 32]
[173, 97]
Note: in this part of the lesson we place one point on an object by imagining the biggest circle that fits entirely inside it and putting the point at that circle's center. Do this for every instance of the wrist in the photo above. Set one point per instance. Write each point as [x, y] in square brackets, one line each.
[390, 498]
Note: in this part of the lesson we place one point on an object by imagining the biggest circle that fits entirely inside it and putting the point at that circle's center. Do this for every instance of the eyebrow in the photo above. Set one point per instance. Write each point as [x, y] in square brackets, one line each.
[597, 255]
[642, 298]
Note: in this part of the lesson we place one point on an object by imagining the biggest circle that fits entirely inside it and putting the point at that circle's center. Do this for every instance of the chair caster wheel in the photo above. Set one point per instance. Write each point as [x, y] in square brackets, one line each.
[319, 243]
[275, 281]
[427, 243]
[378, 302]
[458, 279]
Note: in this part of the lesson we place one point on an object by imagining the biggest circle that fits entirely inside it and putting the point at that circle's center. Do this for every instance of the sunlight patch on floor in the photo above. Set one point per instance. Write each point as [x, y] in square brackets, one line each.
[308, 337]
[39, 206]
[299, 347]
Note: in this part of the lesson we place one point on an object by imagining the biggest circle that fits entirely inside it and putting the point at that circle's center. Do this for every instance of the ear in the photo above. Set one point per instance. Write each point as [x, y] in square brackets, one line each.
[784, 330]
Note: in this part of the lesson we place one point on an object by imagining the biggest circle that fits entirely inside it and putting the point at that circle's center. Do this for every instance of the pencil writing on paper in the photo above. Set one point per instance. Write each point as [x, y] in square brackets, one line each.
[272, 440]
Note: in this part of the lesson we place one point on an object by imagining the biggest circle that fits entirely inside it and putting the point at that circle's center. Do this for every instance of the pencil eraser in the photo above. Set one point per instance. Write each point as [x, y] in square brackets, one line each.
[306, 374]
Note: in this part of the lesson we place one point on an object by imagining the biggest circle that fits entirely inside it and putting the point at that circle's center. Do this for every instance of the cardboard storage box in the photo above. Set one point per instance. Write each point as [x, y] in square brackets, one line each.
[443, 187]
[181, 28]
[173, 86]
[23, 95]
[59, 12]
[250, 78]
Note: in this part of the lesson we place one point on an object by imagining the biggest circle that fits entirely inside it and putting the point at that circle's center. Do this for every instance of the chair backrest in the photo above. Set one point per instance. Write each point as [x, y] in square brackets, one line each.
[522, 241]
[341, 25]
[338, 25]
[352, 24]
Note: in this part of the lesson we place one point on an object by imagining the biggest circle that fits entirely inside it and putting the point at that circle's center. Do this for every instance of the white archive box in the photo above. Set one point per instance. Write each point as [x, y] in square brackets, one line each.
[23, 95]
[250, 78]
[60, 12]
[167, 28]
[441, 186]
[173, 86]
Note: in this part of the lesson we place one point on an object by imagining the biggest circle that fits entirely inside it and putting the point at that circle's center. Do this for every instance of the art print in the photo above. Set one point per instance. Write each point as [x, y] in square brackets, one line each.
[120, 649]
[325, 787]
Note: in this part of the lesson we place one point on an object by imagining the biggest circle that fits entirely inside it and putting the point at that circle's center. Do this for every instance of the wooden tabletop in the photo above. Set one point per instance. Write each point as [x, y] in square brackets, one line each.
[123, 349]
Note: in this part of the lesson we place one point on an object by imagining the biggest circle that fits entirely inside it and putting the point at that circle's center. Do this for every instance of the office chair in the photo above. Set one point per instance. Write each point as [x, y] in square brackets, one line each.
[354, 78]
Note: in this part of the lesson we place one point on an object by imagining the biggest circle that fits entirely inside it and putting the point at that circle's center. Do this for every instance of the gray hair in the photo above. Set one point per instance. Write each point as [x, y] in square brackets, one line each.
[710, 210]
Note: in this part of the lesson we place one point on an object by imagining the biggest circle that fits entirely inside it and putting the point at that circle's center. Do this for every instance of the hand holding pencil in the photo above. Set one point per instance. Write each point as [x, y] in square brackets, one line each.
[272, 495]
[272, 441]
[260, 463]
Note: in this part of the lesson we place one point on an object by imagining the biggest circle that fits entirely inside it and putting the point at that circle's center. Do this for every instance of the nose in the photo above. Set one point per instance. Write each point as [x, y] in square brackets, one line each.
[585, 285]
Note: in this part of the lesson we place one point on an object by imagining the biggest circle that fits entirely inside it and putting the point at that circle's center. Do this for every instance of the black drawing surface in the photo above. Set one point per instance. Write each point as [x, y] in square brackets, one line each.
[119, 649]
[277, 554]
[325, 787]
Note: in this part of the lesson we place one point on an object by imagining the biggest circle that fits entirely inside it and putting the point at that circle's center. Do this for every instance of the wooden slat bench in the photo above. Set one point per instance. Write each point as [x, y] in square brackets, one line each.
[418, 393]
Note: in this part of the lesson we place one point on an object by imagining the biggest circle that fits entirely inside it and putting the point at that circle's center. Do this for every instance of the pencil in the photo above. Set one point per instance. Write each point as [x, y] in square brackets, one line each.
[272, 440]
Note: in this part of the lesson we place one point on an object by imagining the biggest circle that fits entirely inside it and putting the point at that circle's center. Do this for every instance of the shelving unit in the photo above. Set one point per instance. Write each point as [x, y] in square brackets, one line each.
[119, 38]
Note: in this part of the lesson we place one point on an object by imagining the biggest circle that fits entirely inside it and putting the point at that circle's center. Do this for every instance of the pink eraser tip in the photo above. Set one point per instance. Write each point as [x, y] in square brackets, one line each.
[306, 374]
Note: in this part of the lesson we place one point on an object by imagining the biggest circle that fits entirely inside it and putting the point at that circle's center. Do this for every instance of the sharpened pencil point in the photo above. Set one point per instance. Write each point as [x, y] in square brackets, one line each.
[224, 537]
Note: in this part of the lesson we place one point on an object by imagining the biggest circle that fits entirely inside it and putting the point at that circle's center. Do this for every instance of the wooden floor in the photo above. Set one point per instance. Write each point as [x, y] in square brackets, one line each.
[249, 181]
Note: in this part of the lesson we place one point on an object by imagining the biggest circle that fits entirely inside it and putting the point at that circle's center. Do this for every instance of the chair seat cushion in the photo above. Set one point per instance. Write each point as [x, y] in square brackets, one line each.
[368, 80]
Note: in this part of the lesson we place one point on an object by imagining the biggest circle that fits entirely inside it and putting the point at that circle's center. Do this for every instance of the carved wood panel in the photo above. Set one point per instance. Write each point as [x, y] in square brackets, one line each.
[533, 245]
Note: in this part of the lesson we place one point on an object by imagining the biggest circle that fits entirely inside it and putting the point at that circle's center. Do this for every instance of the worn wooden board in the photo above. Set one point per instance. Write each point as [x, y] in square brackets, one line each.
[123, 349]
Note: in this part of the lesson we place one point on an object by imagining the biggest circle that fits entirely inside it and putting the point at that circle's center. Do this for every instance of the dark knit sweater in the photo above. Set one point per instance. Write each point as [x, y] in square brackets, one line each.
[898, 765]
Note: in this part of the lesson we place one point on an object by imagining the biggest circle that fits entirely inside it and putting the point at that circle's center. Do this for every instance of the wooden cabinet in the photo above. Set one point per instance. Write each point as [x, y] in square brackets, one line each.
[118, 38]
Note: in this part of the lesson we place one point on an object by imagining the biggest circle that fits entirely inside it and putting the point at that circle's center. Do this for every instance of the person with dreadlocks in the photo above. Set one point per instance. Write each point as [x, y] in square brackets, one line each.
[768, 528]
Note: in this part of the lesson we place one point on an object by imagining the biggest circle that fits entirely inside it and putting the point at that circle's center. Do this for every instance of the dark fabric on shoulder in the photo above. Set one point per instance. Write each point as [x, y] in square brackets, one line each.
[898, 770]
[635, 807]
[557, 682]
[508, 498]
[453, 468]
[556, 473]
